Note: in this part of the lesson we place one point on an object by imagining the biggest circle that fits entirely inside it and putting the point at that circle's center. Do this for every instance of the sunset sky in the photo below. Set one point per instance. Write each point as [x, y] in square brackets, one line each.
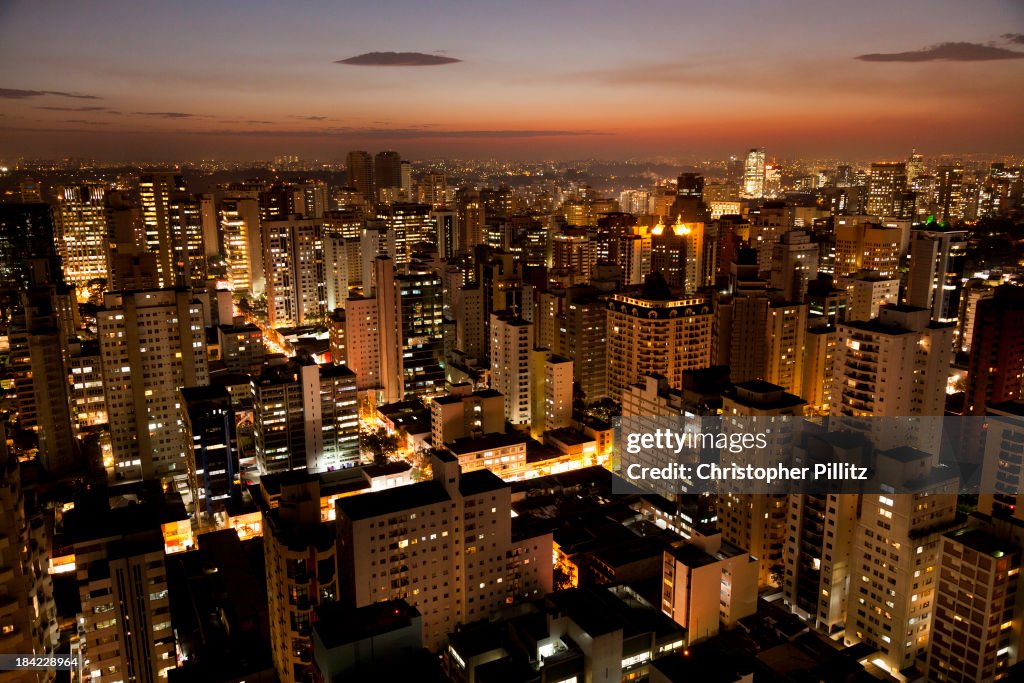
[527, 79]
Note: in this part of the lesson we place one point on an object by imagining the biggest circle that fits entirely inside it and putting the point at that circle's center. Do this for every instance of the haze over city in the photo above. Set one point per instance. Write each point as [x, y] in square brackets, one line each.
[115, 80]
[522, 342]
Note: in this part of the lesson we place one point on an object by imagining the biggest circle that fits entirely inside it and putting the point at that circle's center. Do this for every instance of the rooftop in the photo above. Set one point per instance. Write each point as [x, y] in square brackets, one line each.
[469, 444]
[391, 501]
[339, 624]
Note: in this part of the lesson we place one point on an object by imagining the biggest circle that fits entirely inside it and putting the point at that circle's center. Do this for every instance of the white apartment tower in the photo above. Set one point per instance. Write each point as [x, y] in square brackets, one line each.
[445, 546]
[896, 549]
[511, 338]
[152, 343]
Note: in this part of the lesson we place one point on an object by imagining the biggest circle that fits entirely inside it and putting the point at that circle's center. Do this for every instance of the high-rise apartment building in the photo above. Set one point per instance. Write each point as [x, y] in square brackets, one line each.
[820, 530]
[886, 185]
[387, 170]
[389, 340]
[241, 347]
[27, 613]
[422, 332]
[306, 417]
[867, 291]
[866, 246]
[470, 213]
[81, 231]
[757, 521]
[786, 331]
[677, 252]
[239, 219]
[456, 416]
[407, 225]
[302, 572]
[895, 365]
[28, 252]
[936, 273]
[794, 264]
[510, 345]
[976, 628]
[896, 551]
[211, 448]
[996, 366]
[152, 344]
[818, 362]
[753, 174]
[1002, 483]
[550, 391]
[125, 618]
[362, 341]
[656, 333]
[741, 321]
[360, 175]
[445, 546]
[708, 584]
[38, 340]
[172, 220]
[949, 193]
[293, 255]
[433, 190]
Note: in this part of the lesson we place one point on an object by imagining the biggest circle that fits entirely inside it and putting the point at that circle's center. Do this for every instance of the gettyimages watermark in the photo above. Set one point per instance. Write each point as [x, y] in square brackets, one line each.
[845, 454]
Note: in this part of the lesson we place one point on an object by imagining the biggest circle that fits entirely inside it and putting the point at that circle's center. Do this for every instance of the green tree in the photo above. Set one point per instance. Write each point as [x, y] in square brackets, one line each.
[380, 445]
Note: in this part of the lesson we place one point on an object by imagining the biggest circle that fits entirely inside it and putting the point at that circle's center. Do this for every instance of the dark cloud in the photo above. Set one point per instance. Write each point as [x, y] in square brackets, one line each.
[166, 114]
[91, 123]
[18, 94]
[1014, 38]
[340, 132]
[397, 59]
[80, 109]
[946, 52]
[308, 118]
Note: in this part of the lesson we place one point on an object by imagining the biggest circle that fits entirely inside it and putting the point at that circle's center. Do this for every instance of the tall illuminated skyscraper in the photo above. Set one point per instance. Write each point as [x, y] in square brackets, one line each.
[866, 246]
[753, 174]
[433, 190]
[677, 252]
[757, 522]
[153, 344]
[81, 231]
[949, 193]
[510, 365]
[915, 167]
[977, 589]
[656, 333]
[896, 551]
[422, 333]
[893, 366]
[243, 248]
[886, 186]
[294, 259]
[407, 225]
[173, 229]
[389, 330]
[469, 215]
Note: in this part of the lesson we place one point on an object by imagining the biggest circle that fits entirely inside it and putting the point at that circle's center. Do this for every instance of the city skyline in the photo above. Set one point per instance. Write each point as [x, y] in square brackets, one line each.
[522, 82]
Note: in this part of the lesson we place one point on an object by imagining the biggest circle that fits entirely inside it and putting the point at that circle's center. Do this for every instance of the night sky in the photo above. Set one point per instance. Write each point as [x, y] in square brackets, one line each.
[527, 79]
